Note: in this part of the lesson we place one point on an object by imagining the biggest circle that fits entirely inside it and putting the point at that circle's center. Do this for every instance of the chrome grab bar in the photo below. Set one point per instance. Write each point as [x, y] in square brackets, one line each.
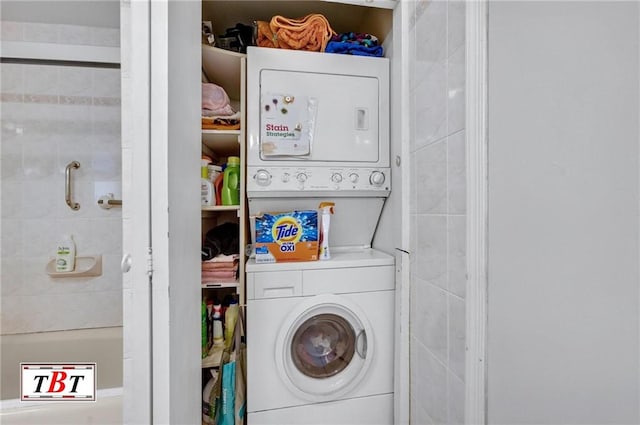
[67, 185]
[110, 202]
[107, 201]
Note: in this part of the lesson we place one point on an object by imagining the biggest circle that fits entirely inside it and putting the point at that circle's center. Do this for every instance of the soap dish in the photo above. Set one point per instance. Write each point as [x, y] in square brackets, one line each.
[87, 266]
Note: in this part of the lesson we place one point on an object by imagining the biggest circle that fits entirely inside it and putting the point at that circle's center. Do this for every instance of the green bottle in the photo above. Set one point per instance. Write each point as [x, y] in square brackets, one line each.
[231, 182]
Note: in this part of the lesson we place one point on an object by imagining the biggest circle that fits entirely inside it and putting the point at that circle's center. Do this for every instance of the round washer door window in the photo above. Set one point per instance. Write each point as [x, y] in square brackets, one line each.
[324, 347]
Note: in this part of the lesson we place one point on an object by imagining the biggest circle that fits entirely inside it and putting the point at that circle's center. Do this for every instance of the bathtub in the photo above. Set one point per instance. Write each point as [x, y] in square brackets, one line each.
[102, 346]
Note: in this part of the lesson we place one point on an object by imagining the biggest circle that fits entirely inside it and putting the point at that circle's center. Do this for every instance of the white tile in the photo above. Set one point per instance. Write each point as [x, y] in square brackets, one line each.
[430, 106]
[456, 92]
[106, 82]
[40, 33]
[431, 32]
[76, 81]
[13, 319]
[431, 178]
[41, 79]
[37, 163]
[455, 25]
[457, 260]
[106, 234]
[107, 37]
[418, 415]
[39, 238]
[11, 199]
[11, 238]
[455, 400]
[457, 335]
[431, 252]
[11, 31]
[11, 78]
[12, 283]
[429, 318]
[111, 279]
[456, 173]
[74, 34]
[11, 158]
[106, 163]
[430, 383]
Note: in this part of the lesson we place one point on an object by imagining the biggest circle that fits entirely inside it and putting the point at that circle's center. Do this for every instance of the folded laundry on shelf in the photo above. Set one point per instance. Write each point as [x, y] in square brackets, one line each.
[353, 43]
[311, 32]
[221, 258]
[219, 274]
[231, 265]
[220, 123]
[215, 100]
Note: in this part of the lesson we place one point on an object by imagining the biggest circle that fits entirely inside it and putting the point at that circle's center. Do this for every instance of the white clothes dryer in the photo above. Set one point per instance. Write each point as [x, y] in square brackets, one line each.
[320, 338]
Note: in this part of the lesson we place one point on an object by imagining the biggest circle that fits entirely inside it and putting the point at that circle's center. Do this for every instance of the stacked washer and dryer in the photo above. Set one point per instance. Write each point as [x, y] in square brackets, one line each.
[320, 333]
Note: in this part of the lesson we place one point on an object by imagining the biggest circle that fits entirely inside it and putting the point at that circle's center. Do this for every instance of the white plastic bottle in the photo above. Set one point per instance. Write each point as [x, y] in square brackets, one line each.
[66, 254]
[207, 193]
[327, 210]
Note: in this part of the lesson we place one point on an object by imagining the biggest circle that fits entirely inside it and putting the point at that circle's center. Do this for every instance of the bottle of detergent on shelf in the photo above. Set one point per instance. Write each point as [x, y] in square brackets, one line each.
[231, 182]
[208, 197]
[218, 330]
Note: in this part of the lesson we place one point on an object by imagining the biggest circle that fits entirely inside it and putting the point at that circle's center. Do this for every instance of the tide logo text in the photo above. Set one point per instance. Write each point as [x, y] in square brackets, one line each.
[57, 382]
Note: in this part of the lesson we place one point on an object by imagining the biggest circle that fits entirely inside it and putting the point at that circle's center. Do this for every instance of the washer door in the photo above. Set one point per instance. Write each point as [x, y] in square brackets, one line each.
[324, 348]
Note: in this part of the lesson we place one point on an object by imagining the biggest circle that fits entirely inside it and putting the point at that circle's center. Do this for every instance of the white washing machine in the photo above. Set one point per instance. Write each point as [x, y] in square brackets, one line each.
[320, 340]
[320, 334]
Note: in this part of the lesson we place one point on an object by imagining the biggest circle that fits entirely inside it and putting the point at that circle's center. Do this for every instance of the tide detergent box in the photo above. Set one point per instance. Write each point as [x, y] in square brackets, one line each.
[289, 236]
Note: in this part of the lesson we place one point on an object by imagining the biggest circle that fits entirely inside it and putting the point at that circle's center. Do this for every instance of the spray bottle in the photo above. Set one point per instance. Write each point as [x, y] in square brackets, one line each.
[327, 210]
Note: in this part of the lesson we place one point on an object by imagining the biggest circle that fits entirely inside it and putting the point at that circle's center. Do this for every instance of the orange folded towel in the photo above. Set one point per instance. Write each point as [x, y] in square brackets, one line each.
[312, 33]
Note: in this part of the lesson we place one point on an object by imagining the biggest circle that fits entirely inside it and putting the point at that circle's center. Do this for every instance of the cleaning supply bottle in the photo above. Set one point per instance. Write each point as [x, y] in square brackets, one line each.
[66, 254]
[207, 193]
[230, 319]
[218, 335]
[231, 182]
[327, 210]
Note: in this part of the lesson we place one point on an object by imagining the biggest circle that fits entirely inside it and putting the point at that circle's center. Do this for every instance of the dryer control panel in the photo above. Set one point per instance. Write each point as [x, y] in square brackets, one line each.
[264, 181]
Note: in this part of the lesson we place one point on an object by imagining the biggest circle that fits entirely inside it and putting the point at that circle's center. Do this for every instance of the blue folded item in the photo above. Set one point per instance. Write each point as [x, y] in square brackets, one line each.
[351, 48]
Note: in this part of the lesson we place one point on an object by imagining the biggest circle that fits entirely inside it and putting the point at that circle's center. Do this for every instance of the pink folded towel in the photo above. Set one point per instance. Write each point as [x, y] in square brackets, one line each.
[215, 100]
[220, 266]
[219, 274]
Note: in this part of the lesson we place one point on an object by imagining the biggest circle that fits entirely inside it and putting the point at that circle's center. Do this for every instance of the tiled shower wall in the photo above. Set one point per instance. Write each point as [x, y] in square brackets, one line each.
[438, 197]
[51, 115]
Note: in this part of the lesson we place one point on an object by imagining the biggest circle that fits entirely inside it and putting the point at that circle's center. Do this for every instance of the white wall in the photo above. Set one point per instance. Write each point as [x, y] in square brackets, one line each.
[438, 208]
[51, 115]
[563, 334]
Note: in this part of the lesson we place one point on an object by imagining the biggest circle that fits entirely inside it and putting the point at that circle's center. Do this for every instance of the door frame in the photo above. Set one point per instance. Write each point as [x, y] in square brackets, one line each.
[477, 201]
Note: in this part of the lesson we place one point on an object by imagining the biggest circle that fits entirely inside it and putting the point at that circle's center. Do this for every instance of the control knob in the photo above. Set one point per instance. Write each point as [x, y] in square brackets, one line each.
[376, 178]
[353, 177]
[302, 177]
[262, 177]
[336, 178]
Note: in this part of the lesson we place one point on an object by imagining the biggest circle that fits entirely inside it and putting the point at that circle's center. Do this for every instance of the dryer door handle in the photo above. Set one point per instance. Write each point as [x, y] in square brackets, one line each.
[362, 335]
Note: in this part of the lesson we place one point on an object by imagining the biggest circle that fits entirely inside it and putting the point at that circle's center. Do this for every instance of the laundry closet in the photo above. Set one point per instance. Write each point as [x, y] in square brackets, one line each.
[167, 314]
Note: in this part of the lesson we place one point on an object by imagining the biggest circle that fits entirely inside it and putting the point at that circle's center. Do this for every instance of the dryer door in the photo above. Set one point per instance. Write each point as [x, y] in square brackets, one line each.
[324, 348]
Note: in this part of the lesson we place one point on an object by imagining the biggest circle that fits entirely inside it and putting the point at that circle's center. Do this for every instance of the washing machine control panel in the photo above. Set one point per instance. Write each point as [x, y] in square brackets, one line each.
[317, 179]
